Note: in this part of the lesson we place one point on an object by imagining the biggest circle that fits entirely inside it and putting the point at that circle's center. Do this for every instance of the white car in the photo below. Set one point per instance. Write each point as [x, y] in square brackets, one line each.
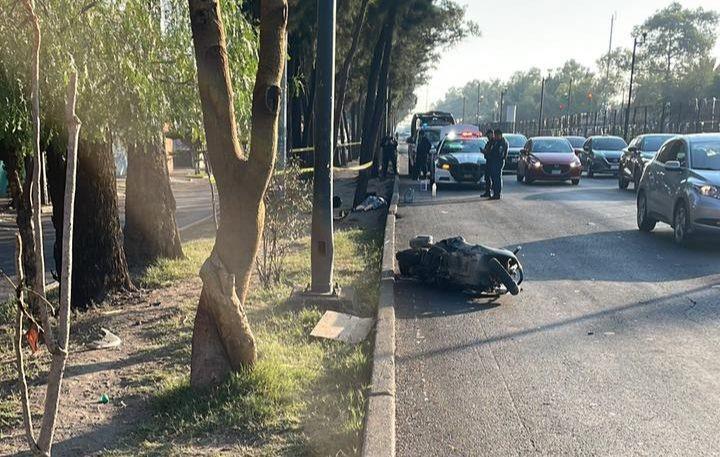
[460, 159]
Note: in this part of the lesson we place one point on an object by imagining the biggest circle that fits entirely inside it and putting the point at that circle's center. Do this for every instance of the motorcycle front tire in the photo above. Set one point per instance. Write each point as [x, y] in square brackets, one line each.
[500, 274]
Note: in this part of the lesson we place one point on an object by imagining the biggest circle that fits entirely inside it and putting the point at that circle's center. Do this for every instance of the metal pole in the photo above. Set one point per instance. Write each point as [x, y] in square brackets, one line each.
[632, 75]
[542, 101]
[569, 95]
[463, 116]
[322, 252]
[477, 116]
[502, 100]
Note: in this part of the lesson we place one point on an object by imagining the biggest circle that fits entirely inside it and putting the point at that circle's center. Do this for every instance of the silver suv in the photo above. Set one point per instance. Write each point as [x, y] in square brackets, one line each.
[681, 187]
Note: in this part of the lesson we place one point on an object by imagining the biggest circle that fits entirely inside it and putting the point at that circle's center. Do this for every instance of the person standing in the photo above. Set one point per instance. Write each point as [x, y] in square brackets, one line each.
[487, 153]
[421, 155]
[389, 150]
[499, 154]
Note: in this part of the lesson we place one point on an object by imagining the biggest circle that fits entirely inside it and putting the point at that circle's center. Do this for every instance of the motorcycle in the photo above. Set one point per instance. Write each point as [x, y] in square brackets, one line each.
[454, 263]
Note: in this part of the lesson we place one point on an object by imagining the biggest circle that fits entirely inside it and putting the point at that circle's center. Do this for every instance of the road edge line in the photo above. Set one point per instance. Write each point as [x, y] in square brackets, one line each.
[379, 432]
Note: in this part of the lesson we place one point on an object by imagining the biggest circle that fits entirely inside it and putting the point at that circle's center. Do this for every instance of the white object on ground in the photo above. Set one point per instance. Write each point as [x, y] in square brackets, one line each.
[342, 327]
[110, 340]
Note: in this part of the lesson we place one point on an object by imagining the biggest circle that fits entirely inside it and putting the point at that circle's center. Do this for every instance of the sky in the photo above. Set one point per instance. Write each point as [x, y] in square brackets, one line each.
[520, 34]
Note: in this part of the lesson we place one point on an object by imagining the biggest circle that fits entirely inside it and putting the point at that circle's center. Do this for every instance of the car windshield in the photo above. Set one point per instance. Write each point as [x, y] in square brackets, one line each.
[576, 141]
[433, 136]
[706, 155]
[516, 141]
[551, 145]
[474, 145]
[609, 144]
[653, 143]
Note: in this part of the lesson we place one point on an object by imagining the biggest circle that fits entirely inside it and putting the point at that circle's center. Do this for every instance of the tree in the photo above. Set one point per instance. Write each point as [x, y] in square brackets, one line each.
[222, 338]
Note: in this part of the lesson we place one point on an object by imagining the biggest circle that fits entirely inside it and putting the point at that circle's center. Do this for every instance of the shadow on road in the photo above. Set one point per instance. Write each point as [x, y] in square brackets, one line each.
[628, 256]
[587, 194]
[418, 300]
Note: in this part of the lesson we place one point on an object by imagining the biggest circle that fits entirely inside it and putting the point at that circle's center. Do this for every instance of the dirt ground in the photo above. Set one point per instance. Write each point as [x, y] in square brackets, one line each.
[128, 374]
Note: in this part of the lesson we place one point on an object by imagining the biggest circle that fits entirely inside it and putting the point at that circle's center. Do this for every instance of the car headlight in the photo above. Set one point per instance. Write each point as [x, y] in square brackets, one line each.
[445, 166]
[707, 190]
[537, 164]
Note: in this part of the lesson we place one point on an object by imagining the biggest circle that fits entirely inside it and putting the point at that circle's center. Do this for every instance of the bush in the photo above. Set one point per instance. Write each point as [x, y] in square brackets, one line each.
[287, 209]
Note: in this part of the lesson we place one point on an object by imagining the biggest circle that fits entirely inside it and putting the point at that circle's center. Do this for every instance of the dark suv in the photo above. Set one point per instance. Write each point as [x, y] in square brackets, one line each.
[515, 143]
[639, 152]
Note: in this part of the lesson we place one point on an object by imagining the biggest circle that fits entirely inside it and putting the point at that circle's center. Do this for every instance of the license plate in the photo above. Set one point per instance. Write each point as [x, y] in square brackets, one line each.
[555, 172]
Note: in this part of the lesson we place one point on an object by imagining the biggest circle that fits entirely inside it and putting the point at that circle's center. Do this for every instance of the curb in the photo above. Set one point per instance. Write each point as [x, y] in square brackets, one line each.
[379, 433]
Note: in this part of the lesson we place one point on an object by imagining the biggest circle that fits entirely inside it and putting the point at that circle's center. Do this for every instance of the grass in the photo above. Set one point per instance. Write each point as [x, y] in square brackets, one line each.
[305, 396]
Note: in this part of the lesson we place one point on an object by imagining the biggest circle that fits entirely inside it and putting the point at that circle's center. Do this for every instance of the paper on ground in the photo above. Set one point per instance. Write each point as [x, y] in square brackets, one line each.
[342, 327]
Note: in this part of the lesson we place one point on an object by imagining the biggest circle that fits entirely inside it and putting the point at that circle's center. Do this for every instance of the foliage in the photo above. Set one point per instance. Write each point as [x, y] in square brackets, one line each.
[684, 38]
[287, 206]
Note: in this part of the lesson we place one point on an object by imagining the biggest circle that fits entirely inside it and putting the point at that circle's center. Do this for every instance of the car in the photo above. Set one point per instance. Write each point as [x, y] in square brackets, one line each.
[577, 143]
[547, 158]
[681, 187]
[460, 159]
[638, 153]
[429, 122]
[515, 143]
[601, 154]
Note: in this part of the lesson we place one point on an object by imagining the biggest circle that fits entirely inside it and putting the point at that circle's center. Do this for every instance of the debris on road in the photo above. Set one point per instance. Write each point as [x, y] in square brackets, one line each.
[342, 327]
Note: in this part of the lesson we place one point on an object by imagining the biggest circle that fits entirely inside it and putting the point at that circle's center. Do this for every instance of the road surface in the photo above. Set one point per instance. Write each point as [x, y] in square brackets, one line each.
[611, 348]
[193, 205]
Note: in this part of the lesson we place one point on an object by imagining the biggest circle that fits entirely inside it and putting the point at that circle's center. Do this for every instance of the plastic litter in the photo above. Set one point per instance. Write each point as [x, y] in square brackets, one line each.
[104, 399]
[109, 340]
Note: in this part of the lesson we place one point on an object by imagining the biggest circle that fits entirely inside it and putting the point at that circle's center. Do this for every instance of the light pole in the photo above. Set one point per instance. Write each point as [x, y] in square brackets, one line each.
[632, 75]
[464, 100]
[502, 99]
[322, 244]
[477, 115]
[542, 102]
[569, 95]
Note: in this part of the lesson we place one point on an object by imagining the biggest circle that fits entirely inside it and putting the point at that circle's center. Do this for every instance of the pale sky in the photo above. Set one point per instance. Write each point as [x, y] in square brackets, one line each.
[520, 34]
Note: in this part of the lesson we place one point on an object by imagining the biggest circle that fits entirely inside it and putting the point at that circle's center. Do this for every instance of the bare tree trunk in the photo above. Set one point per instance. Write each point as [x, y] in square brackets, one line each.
[59, 358]
[375, 103]
[344, 76]
[222, 338]
[98, 247]
[150, 226]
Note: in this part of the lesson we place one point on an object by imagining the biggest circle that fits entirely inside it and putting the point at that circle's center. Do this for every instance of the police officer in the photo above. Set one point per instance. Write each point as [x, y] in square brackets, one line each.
[421, 155]
[486, 151]
[389, 151]
[498, 153]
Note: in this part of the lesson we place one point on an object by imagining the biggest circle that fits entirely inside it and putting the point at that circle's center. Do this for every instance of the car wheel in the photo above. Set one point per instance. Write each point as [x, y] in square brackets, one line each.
[575, 182]
[636, 180]
[681, 224]
[644, 222]
[623, 182]
[591, 173]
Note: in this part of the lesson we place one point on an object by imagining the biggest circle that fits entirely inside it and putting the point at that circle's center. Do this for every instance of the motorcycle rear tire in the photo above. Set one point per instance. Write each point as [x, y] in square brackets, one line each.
[500, 273]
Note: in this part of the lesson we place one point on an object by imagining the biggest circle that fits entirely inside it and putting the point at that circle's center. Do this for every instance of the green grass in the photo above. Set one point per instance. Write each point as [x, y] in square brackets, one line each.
[165, 272]
[305, 396]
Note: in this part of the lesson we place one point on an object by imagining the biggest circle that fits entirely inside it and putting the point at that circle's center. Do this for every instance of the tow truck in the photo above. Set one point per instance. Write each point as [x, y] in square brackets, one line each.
[431, 123]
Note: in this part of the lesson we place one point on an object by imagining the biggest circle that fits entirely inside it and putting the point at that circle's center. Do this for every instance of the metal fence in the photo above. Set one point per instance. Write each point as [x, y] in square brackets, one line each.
[695, 116]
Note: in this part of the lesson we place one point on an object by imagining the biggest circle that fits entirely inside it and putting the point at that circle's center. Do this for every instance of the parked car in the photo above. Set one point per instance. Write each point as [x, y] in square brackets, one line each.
[460, 160]
[577, 143]
[601, 154]
[515, 143]
[639, 152]
[681, 187]
[548, 159]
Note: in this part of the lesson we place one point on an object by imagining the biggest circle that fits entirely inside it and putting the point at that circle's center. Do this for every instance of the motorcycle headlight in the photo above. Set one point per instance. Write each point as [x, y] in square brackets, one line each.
[707, 190]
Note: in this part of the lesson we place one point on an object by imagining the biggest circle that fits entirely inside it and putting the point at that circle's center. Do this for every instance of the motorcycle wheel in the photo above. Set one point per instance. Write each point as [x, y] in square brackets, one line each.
[500, 273]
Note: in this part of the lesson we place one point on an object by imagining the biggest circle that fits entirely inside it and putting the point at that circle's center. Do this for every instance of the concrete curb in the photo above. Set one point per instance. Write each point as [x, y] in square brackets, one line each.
[379, 434]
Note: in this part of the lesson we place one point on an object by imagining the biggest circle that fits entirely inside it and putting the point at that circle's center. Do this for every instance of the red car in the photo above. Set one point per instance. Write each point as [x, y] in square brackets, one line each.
[546, 158]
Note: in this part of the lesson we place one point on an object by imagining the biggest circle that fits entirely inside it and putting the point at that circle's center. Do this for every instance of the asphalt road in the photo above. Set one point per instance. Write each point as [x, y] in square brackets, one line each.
[193, 204]
[611, 348]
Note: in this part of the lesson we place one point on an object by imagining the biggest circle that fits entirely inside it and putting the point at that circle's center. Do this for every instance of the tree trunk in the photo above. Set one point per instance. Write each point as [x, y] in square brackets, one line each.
[98, 249]
[56, 163]
[341, 81]
[20, 195]
[150, 227]
[375, 102]
[222, 338]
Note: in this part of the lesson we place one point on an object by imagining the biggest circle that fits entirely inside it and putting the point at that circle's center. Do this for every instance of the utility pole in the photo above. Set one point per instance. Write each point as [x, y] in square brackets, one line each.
[477, 115]
[630, 89]
[612, 27]
[542, 101]
[322, 243]
[463, 116]
[569, 95]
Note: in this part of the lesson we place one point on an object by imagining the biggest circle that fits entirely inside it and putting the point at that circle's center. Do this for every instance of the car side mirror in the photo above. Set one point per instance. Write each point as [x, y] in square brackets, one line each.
[672, 165]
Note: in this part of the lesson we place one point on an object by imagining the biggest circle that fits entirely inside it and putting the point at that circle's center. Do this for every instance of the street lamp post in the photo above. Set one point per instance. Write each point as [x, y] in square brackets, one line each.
[502, 100]
[322, 252]
[630, 90]
[542, 102]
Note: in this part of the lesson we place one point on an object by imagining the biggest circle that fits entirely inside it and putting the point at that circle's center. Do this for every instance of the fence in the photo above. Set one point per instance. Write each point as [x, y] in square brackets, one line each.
[695, 116]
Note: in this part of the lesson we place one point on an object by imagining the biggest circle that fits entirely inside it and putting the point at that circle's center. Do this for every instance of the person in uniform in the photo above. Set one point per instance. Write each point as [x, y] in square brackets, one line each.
[389, 151]
[421, 155]
[486, 151]
[498, 153]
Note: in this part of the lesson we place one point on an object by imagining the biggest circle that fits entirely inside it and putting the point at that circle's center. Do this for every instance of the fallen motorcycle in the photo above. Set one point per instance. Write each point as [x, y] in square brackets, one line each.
[453, 263]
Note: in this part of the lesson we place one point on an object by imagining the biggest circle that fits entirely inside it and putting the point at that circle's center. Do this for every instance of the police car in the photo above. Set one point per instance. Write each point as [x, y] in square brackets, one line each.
[459, 158]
